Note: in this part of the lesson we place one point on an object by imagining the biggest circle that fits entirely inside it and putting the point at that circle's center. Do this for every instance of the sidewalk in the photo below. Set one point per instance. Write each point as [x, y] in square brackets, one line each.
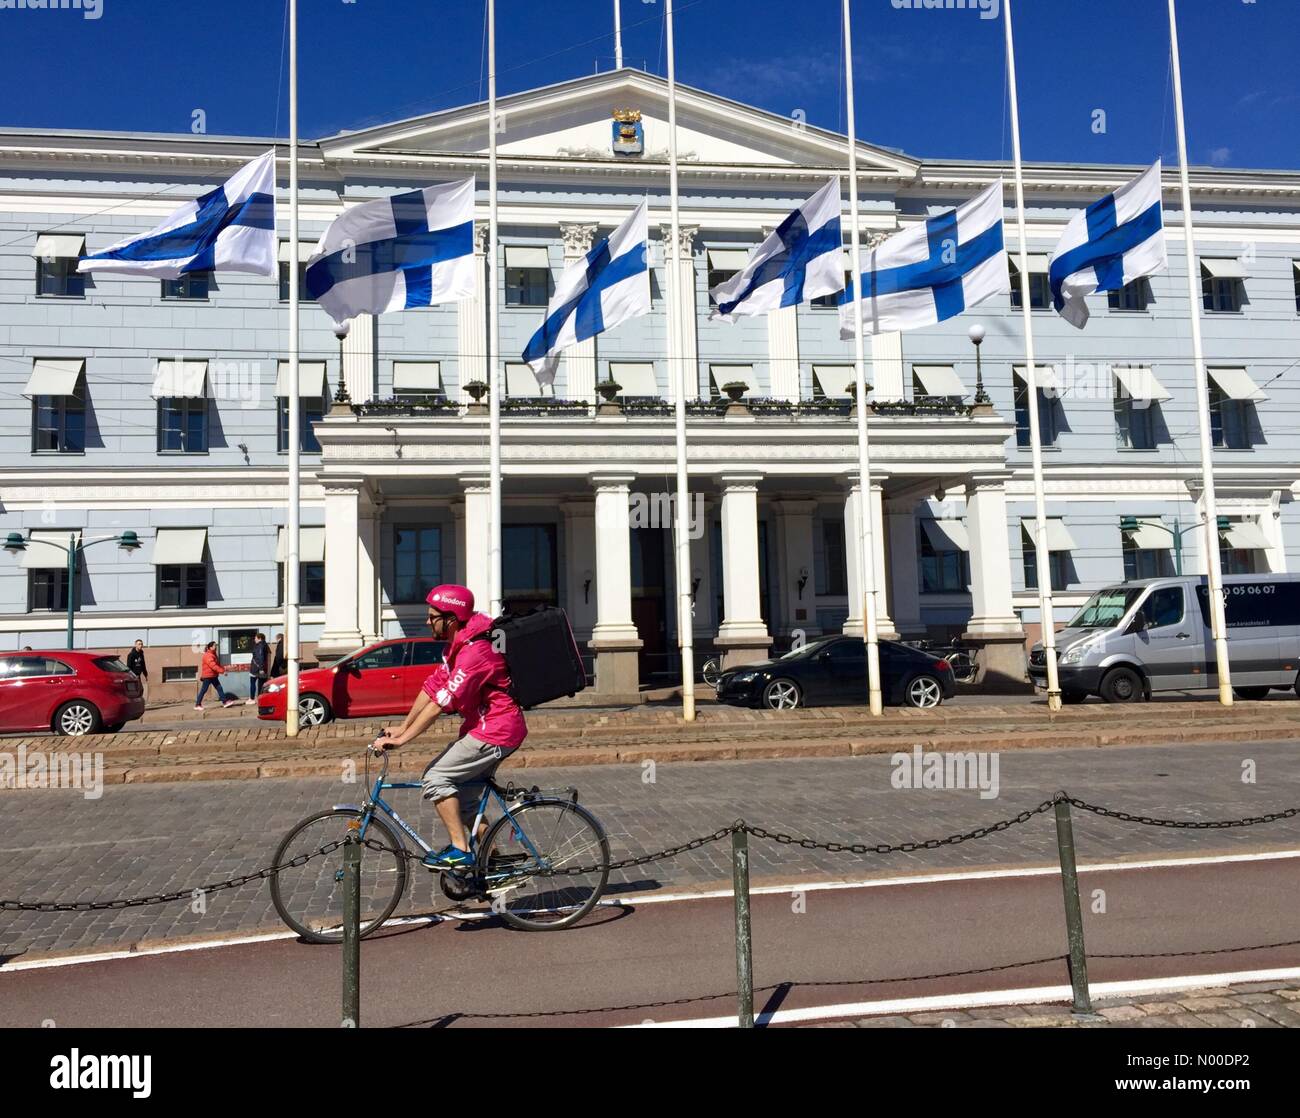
[1262, 1005]
[228, 749]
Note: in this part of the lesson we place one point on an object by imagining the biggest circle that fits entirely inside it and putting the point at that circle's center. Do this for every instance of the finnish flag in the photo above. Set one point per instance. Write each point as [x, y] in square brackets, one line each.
[410, 250]
[607, 286]
[931, 272]
[802, 260]
[230, 229]
[1113, 242]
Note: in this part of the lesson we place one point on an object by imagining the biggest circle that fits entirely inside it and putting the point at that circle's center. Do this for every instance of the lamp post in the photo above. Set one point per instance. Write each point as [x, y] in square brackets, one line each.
[1132, 524]
[342, 401]
[976, 334]
[16, 544]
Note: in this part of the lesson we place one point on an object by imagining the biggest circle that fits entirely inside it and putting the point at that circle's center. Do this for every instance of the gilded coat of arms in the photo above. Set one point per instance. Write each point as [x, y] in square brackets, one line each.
[629, 135]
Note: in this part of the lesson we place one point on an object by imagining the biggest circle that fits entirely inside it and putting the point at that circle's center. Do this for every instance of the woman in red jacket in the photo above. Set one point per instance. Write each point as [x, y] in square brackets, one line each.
[210, 672]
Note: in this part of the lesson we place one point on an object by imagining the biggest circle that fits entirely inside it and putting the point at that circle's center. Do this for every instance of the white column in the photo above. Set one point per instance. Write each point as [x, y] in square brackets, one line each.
[580, 564]
[796, 609]
[684, 291]
[904, 567]
[476, 532]
[990, 558]
[614, 637]
[368, 556]
[342, 633]
[742, 636]
[471, 322]
[852, 510]
[580, 359]
[360, 360]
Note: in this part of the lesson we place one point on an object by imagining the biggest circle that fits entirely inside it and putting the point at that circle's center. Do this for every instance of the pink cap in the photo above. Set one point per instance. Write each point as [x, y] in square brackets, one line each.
[455, 600]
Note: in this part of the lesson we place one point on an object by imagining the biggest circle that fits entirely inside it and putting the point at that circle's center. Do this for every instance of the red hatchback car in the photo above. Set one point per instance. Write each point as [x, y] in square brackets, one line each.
[379, 680]
[71, 693]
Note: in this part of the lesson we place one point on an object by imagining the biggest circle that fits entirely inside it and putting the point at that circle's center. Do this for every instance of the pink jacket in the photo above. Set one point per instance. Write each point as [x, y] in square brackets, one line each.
[472, 680]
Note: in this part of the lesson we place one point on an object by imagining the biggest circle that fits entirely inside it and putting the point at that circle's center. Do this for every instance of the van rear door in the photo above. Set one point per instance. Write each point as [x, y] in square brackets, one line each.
[1256, 611]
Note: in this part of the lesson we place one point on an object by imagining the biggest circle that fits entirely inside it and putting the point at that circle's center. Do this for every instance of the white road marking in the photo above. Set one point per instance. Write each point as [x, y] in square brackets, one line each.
[1030, 995]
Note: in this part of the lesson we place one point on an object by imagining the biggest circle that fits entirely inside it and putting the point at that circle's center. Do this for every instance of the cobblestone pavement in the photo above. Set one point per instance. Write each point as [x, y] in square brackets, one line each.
[1260, 1005]
[150, 839]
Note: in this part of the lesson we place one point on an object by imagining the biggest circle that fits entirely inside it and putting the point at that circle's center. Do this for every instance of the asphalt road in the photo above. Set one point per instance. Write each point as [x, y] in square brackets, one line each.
[674, 961]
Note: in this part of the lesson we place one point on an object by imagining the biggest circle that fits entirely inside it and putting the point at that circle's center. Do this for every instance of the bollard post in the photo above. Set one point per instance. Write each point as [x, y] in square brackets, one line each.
[744, 937]
[1073, 912]
[352, 927]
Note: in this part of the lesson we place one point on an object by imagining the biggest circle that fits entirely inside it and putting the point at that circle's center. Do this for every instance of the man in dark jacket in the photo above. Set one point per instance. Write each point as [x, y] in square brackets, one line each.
[136, 666]
[279, 665]
[259, 667]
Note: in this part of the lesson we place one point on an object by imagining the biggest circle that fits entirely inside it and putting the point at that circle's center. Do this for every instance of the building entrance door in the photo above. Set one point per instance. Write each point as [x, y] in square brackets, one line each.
[649, 609]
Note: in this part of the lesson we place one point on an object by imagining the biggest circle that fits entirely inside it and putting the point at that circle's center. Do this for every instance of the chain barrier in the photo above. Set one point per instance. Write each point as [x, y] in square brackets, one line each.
[1181, 824]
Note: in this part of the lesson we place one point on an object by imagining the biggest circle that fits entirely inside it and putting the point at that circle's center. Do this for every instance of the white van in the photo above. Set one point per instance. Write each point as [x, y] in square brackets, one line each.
[1132, 640]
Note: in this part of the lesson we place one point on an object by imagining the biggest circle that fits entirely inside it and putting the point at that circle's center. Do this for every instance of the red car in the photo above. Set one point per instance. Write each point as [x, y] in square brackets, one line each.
[379, 680]
[71, 693]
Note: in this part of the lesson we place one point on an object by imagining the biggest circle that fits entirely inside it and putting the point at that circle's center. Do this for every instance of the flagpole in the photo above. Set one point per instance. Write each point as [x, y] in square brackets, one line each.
[1214, 573]
[291, 636]
[494, 333]
[618, 35]
[678, 371]
[866, 547]
[1042, 556]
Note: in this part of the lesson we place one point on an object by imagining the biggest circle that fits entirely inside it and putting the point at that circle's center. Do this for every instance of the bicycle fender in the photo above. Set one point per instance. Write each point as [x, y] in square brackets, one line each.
[347, 807]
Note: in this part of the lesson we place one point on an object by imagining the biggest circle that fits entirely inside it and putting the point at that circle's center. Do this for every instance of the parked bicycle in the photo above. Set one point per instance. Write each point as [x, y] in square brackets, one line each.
[712, 671]
[960, 657]
[518, 839]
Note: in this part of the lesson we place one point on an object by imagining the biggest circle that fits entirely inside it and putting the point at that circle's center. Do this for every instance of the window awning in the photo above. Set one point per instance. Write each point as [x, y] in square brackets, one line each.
[1045, 375]
[946, 535]
[311, 545]
[1244, 535]
[1150, 535]
[1223, 267]
[939, 380]
[728, 374]
[179, 546]
[522, 381]
[1058, 535]
[834, 380]
[180, 379]
[1038, 261]
[727, 259]
[53, 376]
[636, 377]
[306, 250]
[40, 556]
[1141, 384]
[59, 246]
[311, 380]
[527, 256]
[417, 376]
[1237, 384]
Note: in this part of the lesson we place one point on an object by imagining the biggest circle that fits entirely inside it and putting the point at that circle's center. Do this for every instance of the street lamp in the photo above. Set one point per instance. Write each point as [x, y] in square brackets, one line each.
[342, 401]
[976, 335]
[16, 544]
[1132, 524]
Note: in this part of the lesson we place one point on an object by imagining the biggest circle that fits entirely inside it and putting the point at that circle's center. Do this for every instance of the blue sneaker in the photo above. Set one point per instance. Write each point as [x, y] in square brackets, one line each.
[448, 858]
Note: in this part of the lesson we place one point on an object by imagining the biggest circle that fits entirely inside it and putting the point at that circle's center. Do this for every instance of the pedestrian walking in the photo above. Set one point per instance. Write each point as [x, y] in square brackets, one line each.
[259, 667]
[136, 665]
[210, 673]
[279, 665]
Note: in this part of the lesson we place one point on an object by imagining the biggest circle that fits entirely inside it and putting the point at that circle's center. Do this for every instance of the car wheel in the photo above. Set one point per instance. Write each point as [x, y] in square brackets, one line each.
[114, 727]
[782, 694]
[1122, 685]
[924, 692]
[1251, 693]
[1072, 698]
[313, 710]
[77, 718]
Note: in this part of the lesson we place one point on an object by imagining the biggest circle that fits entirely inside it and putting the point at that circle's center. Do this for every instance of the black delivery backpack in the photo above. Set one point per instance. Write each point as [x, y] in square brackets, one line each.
[541, 655]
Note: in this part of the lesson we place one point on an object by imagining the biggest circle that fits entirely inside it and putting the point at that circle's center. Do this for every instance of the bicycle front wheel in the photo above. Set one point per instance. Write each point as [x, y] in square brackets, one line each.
[542, 836]
[309, 897]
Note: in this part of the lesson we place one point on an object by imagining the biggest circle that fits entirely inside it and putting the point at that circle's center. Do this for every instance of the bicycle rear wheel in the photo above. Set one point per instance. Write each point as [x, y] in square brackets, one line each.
[309, 898]
[538, 836]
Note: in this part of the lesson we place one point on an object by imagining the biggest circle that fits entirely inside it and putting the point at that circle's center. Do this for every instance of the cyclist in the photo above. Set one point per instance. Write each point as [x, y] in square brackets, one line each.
[472, 681]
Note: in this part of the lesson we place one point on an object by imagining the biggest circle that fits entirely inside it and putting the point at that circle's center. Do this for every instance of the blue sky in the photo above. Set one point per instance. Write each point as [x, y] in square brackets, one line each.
[928, 82]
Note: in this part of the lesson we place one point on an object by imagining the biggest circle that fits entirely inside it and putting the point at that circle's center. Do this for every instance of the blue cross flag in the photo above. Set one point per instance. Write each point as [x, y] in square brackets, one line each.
[595, 293]
[1116, 240]
[412, 249]
[803, 259]
[932, 271]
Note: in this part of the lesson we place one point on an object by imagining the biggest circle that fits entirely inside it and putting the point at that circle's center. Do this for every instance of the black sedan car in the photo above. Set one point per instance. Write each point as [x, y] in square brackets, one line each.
[832, 671]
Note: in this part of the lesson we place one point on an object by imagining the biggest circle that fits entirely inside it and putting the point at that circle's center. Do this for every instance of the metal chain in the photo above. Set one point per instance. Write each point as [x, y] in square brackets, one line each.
[1202, 951]
[1183, 824]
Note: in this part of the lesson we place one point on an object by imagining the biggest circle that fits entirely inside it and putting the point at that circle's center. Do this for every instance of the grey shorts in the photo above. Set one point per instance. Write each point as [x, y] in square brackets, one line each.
[461, 770]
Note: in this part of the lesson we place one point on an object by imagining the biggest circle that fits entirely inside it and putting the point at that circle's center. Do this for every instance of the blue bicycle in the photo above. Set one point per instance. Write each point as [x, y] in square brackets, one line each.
[519, 839]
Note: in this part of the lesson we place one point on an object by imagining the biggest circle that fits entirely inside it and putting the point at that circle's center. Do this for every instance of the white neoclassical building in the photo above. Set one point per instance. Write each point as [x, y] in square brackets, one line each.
[396, 494]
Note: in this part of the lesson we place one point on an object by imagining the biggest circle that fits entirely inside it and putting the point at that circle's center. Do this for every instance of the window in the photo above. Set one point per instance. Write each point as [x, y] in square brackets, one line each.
[529, 564]
[1058, 561]
[835, 382]
[181, 673]
[1144, 562]
[192, 285]
[182, 425]
[1295, 276]
[1133, 296]
[936, 382]
[183, 586]
[427, 653]
[724, 264]
[56, 257]
[417, 381]
[306, 250]
[1047, 416]
[832, 302]
[417, 561]
[636, 377]
[313, 411]
[59, 424]
[49, 590]
[832, 577]
[311, 583]
[385, 656]
[1229, 422]
[1164, 607]
[1040, 290]
[528, 276]
[1223, 285]
[1236, 560]
[1134, 421]
[945, 568]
